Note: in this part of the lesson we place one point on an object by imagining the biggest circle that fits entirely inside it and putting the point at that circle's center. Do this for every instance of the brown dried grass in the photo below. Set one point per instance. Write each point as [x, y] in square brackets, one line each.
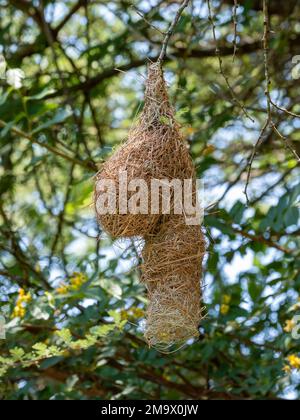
[172, 272]
[155, 149]
[173, 251]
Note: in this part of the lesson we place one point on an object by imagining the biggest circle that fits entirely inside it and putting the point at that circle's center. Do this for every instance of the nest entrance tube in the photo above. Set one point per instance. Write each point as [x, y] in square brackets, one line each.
[171, 271]
[173, 252]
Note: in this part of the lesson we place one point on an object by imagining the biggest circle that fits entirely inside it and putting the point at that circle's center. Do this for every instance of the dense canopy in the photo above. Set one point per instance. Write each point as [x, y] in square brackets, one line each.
[72, 300]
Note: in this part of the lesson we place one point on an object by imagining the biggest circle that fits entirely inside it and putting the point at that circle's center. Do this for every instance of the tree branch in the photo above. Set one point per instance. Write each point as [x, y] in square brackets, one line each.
[171, 30]
[91, 166]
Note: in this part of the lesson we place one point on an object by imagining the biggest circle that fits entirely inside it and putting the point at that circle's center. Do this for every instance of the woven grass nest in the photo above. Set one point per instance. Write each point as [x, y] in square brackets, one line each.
[154, 150]
[172, 270]
[173, 251]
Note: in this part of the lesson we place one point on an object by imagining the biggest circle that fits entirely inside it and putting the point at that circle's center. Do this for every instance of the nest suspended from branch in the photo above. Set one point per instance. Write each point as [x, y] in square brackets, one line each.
[155, 149]
[173, 251]
[174, 313]
[172, 272]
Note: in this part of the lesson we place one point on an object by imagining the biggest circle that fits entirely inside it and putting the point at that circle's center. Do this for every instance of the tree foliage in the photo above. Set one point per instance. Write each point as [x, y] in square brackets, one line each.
[72, 300]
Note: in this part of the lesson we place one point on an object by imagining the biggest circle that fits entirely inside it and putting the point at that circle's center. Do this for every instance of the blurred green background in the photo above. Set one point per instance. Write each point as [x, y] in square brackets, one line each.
[71, 298]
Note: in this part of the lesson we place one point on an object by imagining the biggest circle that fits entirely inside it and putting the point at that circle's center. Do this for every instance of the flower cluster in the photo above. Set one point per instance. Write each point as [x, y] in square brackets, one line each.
[295, 307]
[293, 363]
[14, 77]
[289, 326]
[133, 312]
[20, 308]
[76, 281]
[225, 307]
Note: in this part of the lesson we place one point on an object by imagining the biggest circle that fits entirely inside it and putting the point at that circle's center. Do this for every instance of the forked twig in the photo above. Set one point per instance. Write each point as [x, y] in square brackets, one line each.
[170, 31]
[218, 54]
[287, 142]
[252, 157]
[146, 20]
[280, 108]
[269, 123]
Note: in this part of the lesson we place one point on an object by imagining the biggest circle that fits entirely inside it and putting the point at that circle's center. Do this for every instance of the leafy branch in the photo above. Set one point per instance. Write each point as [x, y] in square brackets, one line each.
[91, 166]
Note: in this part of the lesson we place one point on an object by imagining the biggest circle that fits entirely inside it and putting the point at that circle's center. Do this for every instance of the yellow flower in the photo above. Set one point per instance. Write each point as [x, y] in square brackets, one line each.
[124, 315]
[226, 299]
[77, 280]
[289, 326]
[18, 312]
[295, 307]
[23, 299]
[287, 369]
[26, 298]
[209, 150]
[133, 312]
[62, 290]
[224, 309]
[190, 130]
[294, 361]
[137, 312]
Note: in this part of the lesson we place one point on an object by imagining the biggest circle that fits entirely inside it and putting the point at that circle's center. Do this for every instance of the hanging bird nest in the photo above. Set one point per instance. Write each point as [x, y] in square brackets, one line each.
[174, 313]
[155, 149]
[172, 270]
[173, 251]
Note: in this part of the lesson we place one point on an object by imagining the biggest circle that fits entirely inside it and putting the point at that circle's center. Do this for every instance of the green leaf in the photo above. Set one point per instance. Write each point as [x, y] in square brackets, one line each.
[17, 353]
[102, 330]
[254, 289]
[40, 95]
[61, 116]
[65, 335]
[41, 349]
[214, 222]
[182, 111]
[4, 97]
[291, 217]
[237, 212]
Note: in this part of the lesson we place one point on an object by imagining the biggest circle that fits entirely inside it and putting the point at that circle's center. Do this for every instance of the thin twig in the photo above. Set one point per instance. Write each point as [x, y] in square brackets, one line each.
[20, 133]
[269, 121]
[252, 157]
[273, 186]
[263, 240]
[163, 52]
[270, 102]
[268, 96]
[218, 54]
[235, 23]
[266, 56]
[229, 187]
[147, 21]
[287, 142]
[279, 108]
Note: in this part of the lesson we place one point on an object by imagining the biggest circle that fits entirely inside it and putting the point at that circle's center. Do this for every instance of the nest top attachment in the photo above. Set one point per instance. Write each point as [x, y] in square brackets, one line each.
[157, 110]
